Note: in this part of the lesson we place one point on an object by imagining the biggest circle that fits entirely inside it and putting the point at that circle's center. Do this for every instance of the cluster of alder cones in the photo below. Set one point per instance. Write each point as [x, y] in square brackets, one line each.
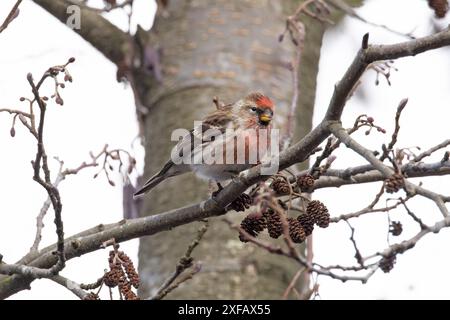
[273, 213]
[121, 274]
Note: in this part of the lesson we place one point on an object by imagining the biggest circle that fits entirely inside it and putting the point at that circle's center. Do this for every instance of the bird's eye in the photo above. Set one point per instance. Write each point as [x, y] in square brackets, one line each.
[253, 109]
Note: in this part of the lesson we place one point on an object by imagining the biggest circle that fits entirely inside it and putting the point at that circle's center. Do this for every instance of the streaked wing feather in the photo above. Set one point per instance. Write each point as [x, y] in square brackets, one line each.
[219, 120]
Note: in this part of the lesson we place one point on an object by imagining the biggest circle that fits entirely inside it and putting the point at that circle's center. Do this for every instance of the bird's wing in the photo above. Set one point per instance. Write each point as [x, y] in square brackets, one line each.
[213, 126]
[190, 145]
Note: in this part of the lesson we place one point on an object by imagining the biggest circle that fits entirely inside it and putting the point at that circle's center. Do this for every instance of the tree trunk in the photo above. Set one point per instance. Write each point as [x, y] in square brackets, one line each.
[227, 49]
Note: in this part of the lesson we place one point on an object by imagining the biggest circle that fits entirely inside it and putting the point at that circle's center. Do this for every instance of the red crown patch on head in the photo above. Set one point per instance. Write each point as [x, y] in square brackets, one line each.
[261, 100]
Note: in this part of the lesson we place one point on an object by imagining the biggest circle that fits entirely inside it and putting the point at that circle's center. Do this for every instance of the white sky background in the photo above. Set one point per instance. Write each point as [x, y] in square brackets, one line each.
[97, 109]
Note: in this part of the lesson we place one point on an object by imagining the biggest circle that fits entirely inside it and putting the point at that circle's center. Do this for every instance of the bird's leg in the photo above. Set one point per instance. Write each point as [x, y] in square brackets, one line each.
[241, 203]
[219, 188]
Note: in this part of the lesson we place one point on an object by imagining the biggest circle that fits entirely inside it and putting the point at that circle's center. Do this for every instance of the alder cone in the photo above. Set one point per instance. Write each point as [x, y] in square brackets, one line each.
[253, 225]
[318, 213]
[274, 224]
[305, 182]
[386, 264]
[394, 183]
[323, 220]
[241, 203]
[440, 7]
[296, 231]
[307, 223]
[280, 186]
[396, 228]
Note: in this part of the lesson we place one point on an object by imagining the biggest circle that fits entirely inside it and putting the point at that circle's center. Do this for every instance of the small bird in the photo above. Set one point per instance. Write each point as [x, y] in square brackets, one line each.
[242, 120]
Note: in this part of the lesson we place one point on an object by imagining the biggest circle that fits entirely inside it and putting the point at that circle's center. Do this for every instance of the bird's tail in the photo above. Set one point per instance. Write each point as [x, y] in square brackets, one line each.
[150, 184]
[169, 170]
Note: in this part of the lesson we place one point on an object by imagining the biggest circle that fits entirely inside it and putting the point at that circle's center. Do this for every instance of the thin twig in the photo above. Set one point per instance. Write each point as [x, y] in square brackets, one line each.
[72, 286]
[394, 137]
[292, 283]
[412, 215]
[430, 151]
[358, 255]
[184, 263]
[11, 16]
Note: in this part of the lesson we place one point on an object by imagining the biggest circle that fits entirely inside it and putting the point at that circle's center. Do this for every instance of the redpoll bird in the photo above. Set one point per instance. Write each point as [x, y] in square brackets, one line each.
[229, 140]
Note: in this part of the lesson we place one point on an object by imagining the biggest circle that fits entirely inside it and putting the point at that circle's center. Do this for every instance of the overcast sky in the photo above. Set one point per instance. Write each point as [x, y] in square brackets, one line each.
[97, 109]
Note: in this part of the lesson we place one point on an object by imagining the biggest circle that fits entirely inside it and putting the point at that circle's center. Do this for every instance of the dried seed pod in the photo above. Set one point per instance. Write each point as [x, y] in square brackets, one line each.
[241, 203]
[305, 182]
[274, 223]
[126, 291]
[319, 213]
[386, 264]
[130, 270]
[323, 220]
[396, 228]
[296, 231]
[307, 223]
[440, 7]
[280, 186]
[253, 225]
[112, 277]
[116, 274]
[394, 183]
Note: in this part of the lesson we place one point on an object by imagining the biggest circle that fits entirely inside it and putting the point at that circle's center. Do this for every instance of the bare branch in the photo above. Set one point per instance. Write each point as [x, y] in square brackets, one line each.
[410, 243]
[367, 173]
[358, 255]
[394, 137]
[184, 263]
[430, 151]
[98, 31]
[342, 135]
[412, 215]
[343, 6]
[40, 218]
[91, 240]
[11, 16]
[375, 53]
[179, 279]
[72, 286]
[293, 282]
[295, 255]
[52, 191]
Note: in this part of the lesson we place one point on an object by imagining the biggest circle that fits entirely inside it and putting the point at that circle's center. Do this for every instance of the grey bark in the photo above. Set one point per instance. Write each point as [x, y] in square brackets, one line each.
[225, 49]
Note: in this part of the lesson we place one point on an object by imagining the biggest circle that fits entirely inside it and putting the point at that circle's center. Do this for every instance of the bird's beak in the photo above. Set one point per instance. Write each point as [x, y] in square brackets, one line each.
[265, 118]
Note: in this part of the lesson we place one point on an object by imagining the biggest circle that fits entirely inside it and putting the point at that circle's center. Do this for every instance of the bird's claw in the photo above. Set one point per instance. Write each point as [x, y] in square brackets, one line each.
[219, 188]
